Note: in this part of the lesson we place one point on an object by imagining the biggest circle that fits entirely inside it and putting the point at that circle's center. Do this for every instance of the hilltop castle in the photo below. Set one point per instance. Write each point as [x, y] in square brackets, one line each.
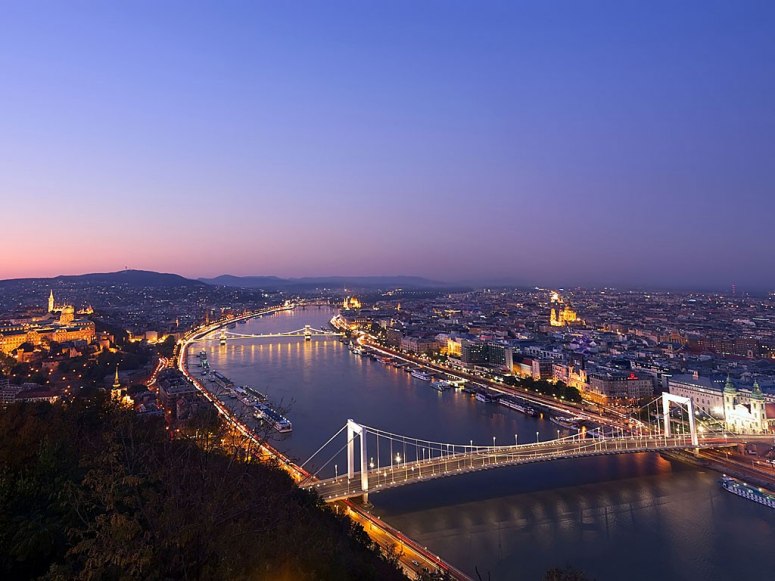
[65, 327]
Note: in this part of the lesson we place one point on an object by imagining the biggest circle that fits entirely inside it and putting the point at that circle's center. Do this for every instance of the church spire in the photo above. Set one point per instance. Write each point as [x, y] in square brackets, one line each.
[729, 387]
[51, 301]
[757, 391]
[116, 381]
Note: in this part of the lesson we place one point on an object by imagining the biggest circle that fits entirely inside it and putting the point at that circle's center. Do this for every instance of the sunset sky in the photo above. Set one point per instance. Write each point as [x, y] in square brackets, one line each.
[537, 143]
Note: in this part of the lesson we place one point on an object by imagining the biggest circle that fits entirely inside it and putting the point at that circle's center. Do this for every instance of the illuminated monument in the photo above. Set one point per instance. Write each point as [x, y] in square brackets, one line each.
[745, 413]
[562, 314]
[35, 331]
[351, 303]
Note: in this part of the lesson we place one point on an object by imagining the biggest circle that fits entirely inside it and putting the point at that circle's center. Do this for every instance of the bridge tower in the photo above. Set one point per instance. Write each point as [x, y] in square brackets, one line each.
[354, 429]
[669, 397]
[308, 333]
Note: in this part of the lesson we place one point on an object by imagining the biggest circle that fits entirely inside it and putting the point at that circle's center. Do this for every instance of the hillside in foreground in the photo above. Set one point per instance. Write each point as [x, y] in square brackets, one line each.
[91, 491]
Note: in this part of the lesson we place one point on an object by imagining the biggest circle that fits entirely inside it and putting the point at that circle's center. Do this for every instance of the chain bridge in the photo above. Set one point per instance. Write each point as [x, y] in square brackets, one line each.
[307, 332]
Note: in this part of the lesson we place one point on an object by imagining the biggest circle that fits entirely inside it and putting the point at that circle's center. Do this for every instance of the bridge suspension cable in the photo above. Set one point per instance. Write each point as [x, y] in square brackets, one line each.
[323, 446]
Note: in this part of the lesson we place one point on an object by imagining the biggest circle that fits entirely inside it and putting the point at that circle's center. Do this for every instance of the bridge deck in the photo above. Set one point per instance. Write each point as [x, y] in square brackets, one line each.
[333, 489]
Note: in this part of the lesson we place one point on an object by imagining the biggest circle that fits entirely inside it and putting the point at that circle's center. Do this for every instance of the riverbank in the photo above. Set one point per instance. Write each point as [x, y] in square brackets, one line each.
[707, 463]
[602, 515]
[409, 552]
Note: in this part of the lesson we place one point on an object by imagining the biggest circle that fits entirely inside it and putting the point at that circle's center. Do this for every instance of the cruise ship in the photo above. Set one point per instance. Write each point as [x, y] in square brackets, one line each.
[745, 490]
[255, 393]
[566, 422]
[440, 385]
[485, 397]
[421, 375]
[221, 380]
[514, 405]
[266, 414]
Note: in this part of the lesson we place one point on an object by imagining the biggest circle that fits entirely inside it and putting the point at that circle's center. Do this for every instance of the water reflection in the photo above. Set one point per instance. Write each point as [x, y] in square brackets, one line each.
[634, 517]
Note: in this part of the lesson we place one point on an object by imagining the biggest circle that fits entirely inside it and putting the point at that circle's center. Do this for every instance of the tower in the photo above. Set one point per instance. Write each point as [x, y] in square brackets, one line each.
[730, 394]
[51, 301]
[758, 411]
[115, 393]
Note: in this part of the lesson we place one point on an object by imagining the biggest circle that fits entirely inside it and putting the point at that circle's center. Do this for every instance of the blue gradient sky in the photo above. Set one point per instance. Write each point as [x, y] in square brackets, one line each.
[541, 143]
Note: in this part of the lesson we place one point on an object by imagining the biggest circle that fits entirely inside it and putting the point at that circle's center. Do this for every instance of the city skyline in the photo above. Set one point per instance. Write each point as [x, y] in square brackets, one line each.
[559, 145]
[410, 281]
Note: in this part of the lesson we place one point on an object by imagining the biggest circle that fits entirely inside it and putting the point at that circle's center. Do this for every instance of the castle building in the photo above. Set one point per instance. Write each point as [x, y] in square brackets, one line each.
[61, 330]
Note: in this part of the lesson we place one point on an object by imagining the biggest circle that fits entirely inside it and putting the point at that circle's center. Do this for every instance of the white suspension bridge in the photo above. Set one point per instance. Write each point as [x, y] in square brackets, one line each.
[386, 460]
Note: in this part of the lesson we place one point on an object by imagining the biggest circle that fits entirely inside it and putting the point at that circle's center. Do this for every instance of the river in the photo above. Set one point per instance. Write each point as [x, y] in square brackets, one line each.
[623, 517]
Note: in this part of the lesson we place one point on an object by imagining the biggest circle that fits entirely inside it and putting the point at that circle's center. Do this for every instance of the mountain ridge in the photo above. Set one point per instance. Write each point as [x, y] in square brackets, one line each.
[276, 282]
[130, 277]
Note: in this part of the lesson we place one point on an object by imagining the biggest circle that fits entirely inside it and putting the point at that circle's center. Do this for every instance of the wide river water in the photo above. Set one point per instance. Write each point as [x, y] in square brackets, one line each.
[624, 517]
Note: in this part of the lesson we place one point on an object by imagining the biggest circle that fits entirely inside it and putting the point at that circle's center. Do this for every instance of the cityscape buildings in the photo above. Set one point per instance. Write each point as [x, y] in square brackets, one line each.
[262, 263]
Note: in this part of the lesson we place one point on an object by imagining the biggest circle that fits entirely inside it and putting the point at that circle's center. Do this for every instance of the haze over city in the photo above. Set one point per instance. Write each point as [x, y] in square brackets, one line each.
[560, 143]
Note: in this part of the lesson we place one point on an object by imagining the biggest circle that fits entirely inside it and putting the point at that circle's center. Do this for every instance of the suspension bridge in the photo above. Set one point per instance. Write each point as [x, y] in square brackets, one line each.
[308, 332]
[386, 460]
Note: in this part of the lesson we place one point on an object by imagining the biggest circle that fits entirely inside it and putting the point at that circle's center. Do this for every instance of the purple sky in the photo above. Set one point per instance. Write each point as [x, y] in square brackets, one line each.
[540, 143]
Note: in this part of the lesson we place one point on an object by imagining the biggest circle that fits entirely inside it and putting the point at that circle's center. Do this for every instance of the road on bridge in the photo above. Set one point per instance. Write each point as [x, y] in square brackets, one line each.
[404, 473]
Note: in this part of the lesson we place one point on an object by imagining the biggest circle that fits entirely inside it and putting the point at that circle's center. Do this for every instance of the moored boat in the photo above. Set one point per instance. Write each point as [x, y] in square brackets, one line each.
[440, 385]
[521, 408]
[566, 422]
[745, 490]
[266, 414]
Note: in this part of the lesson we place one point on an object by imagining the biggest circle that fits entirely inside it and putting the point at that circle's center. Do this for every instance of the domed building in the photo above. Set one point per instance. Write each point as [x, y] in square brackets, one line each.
[562, 314]
[35, 331]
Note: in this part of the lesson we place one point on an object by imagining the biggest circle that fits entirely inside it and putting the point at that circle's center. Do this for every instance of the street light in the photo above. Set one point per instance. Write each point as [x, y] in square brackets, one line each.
[536, 437]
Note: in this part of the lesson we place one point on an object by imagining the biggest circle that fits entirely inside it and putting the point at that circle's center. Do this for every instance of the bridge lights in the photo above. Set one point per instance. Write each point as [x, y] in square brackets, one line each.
[536, 437]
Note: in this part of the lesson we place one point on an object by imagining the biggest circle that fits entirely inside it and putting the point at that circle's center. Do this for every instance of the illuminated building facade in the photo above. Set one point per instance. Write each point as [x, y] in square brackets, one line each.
[706, 397]
[59, 329]
[606, 386]
[351, 303]
[561, 314]
[742, 411]
[745, 413]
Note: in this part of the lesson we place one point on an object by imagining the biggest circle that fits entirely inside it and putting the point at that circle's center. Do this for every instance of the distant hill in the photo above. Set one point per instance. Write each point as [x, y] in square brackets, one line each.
[334, 282]
[139, 278]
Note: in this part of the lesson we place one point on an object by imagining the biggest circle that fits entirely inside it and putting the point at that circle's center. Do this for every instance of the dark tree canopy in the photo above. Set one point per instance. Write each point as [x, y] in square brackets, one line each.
[88, 490]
